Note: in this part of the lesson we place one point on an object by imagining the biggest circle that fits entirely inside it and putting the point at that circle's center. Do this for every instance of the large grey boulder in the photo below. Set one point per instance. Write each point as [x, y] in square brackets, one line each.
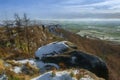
[78, 59]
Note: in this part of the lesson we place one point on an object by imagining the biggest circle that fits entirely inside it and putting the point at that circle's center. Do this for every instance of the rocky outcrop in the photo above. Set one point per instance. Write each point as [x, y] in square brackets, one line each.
[76, 59]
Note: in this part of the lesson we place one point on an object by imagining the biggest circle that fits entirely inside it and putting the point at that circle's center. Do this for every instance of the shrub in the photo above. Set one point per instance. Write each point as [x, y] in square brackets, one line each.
[72, 74]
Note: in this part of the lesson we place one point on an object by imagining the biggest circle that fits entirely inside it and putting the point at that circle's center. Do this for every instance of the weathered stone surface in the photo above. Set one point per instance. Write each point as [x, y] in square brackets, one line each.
[78, 59]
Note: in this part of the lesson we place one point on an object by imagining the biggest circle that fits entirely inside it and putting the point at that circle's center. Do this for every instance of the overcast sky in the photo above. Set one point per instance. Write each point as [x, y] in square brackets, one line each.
[61, 9]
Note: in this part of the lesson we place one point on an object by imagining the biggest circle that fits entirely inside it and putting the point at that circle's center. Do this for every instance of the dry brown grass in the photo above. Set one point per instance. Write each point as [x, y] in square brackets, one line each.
[31, 68]
[13, 63]
[12, 76]
[2, 67]
[62, 66]
[19, 45]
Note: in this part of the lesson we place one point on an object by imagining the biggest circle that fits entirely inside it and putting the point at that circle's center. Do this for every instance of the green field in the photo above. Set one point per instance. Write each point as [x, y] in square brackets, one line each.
[103, 29]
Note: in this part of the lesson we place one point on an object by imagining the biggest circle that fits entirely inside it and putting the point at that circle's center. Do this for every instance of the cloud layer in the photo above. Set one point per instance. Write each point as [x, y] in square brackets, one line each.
[61, 9]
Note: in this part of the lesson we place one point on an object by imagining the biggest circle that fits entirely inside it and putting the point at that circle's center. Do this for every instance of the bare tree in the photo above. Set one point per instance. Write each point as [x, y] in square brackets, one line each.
[25, 19]
[18, 20]
[26, 22]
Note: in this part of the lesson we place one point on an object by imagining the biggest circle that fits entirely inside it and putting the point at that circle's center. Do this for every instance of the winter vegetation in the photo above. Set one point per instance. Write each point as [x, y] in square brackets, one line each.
[30, 51]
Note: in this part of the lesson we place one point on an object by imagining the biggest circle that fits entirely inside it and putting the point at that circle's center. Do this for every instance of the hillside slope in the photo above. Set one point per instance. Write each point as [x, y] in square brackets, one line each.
[108, 51]
[21, 43]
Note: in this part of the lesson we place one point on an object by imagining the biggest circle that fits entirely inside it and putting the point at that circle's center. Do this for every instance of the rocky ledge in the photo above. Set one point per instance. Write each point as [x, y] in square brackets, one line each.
[65, 55]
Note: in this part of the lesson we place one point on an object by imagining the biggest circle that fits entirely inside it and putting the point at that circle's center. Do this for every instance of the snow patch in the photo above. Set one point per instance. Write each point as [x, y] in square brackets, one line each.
[39, 64]
[16, 69]
[60, 75]
[31, 61]
[3, 77]
[86, 79]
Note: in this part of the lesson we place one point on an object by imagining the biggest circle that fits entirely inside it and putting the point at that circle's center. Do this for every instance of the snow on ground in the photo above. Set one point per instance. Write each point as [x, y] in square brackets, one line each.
[31, 61]
[51, 49]
[60, 75]
[39, 64]
[35, 63]
[16, 69]
[3, 77]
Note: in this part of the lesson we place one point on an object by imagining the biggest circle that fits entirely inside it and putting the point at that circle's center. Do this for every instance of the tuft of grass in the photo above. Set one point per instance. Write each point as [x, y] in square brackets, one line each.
[72, 74]
[53, 74]
[31, 70]
[62, 65]
[19, 77]
[78, 76]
